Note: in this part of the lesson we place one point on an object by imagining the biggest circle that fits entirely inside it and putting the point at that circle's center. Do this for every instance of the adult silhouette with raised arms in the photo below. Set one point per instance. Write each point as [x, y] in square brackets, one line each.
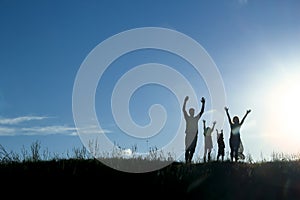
[208, 145]
[235, 138]
[191, 130]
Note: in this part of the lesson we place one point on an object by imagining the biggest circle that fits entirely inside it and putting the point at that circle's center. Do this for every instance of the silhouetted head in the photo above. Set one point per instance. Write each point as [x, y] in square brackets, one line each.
[220, 136]
[192, 112]
[236, 120]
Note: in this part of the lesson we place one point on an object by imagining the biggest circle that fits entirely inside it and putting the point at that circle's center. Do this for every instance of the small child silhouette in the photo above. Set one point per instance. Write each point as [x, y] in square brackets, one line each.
[221, 145]
[208, 139]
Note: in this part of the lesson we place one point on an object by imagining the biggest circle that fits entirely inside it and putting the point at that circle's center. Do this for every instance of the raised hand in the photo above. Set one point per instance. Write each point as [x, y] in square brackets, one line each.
[226, 109]
[202, 100]
[248, 111]
[186, 98]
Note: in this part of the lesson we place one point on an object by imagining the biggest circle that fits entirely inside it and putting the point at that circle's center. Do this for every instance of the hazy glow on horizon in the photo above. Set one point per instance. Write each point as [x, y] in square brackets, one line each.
[283, 113]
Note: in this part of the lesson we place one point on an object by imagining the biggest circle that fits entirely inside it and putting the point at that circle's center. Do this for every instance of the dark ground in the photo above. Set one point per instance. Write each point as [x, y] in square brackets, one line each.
[91, 179]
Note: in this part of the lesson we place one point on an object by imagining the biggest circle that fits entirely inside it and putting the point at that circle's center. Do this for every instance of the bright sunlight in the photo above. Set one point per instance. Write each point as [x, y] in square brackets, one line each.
[283, 113]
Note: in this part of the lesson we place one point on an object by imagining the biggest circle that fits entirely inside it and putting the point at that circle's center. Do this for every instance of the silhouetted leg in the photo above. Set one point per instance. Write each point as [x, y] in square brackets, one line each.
[222, 154]
[191, 156]
[193, 148]
[231, 155]
[209, 155]
[236, 155]
[187, 156]
[204, 156]
[192, 151]
[187, 149]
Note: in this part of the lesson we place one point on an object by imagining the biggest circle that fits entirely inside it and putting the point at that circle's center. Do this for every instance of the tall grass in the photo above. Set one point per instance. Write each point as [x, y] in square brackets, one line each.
[35, 153]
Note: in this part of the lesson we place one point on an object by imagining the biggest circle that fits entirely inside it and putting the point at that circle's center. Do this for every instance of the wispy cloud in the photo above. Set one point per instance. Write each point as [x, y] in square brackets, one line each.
[7, 131]
[47, 130]
[42, 130]
[16, 126]
[18, 120]
[92, 130]
[243, 2]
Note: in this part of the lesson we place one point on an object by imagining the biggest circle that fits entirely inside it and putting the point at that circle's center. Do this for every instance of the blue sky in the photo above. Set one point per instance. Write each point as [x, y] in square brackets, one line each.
[254, 44]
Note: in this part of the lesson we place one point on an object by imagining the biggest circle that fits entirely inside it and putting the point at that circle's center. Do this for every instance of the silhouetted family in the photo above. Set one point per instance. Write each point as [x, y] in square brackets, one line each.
[191, 135]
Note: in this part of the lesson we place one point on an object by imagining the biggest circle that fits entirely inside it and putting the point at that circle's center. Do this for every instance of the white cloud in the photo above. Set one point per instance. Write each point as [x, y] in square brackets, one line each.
[11, 127]
[7, 131]
[46, 130]
[92, 130]
[127, 152]
[17, 120]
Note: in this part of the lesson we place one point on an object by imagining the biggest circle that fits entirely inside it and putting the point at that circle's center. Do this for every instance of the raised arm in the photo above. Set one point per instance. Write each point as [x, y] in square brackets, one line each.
[247, 112]
[202, 108]
[213, 127]
[204, 127]
[184, 105]
[228, 116]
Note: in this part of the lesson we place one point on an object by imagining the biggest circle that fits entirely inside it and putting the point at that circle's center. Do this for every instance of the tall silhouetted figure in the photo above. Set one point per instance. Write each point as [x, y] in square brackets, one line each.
[235, 139]
[191, 130]
[221, 145]
[208, 145]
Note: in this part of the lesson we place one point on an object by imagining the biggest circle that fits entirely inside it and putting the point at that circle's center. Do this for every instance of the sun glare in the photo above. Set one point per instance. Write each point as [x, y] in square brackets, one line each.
[284, 114]
[289, 106]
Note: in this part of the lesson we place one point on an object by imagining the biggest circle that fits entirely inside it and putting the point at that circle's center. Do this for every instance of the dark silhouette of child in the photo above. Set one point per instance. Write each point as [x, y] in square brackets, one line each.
[221, 145]
[208, 145]
[241, 151]
[191, 130]
[235, 139]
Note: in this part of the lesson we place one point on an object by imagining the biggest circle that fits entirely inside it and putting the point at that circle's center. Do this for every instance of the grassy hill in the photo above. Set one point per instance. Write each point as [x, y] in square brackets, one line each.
[39, 175]
[214, 180]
